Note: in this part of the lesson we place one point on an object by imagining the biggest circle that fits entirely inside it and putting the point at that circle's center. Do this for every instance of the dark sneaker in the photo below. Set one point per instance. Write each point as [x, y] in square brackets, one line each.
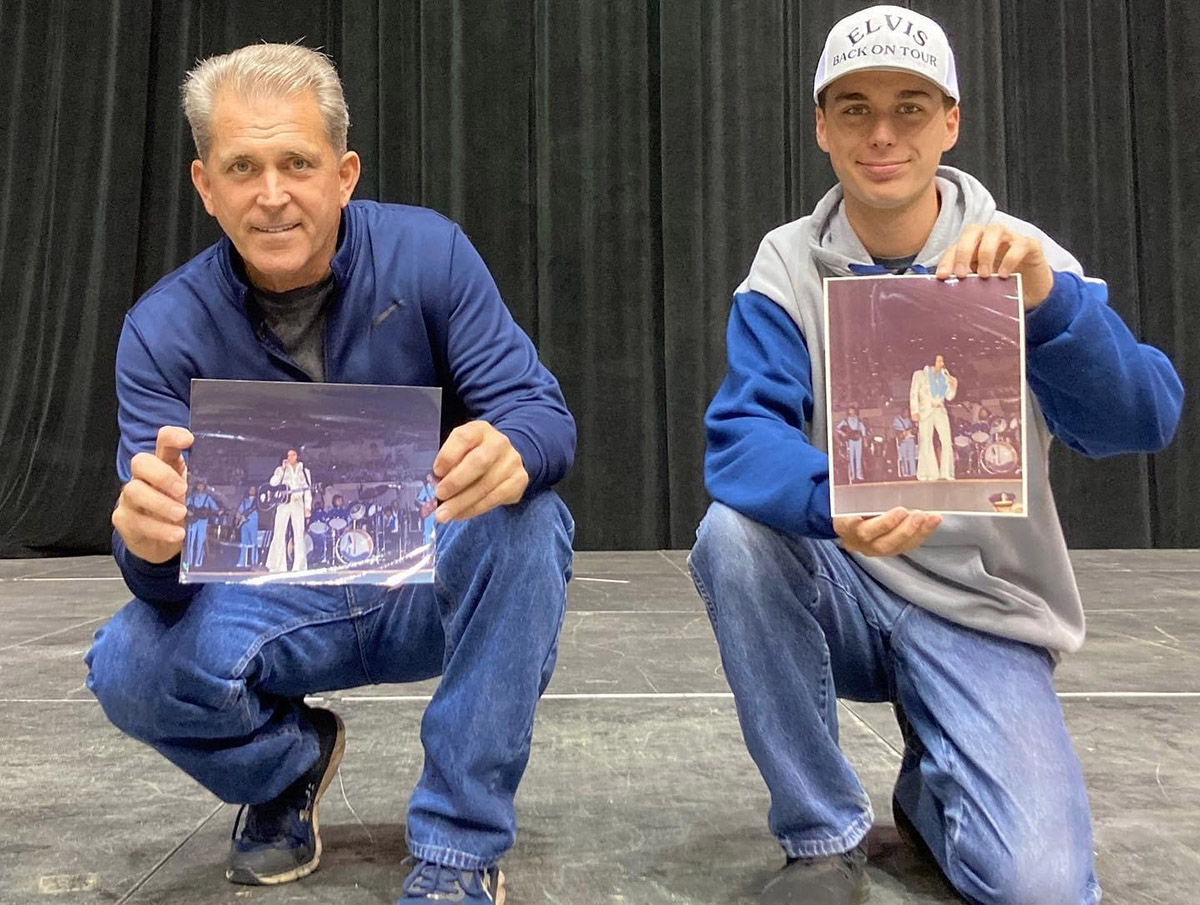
[430, 882]
[836, 880]
[280, 840]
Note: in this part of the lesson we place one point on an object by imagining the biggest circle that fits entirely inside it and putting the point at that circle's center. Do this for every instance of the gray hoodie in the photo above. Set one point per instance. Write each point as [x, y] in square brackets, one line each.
[1007, 576]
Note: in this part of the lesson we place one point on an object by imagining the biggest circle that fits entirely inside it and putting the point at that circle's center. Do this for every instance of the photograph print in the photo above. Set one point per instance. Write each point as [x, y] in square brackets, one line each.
[311, 483]
[925, 391]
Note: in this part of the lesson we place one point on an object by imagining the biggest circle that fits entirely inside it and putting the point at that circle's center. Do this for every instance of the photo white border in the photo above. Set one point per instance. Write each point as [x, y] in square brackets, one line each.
[1024, 391]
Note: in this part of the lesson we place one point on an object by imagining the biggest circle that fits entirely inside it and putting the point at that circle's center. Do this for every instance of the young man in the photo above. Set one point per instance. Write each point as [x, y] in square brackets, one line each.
[958, 621]
[214, 676]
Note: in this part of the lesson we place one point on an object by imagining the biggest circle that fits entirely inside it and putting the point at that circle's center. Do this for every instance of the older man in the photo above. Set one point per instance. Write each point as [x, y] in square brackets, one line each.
[307, 285]
[958, 621]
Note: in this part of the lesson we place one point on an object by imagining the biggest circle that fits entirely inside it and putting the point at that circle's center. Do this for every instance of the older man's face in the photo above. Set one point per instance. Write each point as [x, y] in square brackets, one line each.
[276, 186]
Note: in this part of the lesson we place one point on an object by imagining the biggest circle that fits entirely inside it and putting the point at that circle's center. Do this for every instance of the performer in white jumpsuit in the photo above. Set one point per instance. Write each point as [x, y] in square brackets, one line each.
[293, 475]
[932, 387]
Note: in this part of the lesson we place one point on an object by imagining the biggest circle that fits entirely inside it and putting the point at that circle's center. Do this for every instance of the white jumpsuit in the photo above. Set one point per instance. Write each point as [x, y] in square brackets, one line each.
[932, 416]
[296, 479]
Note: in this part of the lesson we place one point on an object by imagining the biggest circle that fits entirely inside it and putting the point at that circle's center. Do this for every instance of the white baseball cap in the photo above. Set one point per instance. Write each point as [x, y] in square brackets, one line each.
[892, 38]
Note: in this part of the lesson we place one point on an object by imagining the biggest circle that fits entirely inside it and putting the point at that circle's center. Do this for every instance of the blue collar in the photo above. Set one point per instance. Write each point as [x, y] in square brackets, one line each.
[872, 270]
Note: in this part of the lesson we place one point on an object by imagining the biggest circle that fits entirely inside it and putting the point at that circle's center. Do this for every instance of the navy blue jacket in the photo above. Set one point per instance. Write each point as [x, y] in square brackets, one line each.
[415, 306]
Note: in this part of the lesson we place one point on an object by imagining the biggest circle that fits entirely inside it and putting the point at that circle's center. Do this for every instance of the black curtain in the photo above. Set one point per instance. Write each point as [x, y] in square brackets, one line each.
[616, 163]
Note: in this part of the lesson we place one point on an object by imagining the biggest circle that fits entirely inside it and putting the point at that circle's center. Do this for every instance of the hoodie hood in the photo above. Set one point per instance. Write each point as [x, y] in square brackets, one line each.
[835, 246]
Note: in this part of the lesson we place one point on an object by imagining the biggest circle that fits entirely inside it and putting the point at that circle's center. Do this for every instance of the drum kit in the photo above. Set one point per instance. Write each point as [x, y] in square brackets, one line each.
[362, 532]
[990, 453]
[359, 533]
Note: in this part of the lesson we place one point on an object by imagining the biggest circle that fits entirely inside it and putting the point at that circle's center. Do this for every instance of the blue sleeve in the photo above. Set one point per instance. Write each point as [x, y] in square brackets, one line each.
[1102, 392]
[759, 459]
[145, 403]
[497, 375]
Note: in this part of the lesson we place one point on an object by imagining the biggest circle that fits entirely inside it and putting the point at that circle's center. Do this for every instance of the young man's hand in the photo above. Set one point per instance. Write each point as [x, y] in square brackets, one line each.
[151, 510]
[996, 249]
[896, 531]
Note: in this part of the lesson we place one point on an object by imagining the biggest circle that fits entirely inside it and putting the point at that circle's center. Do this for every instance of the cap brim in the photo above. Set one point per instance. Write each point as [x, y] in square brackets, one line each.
[878, 68]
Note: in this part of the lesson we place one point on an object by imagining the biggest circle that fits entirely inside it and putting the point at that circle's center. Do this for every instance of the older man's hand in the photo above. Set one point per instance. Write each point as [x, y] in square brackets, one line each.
[151, 510]
[477, 469]
[896, 531]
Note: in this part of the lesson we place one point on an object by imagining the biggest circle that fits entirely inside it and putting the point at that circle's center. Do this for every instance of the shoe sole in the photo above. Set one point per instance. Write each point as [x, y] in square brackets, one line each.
[500, 895]
[246, 878]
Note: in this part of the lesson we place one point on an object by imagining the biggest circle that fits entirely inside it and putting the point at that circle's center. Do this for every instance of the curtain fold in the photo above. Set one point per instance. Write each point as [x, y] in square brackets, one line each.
[616, 164]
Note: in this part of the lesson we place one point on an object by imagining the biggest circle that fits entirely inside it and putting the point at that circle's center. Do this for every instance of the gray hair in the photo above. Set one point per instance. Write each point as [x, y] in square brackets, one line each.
[261, 71]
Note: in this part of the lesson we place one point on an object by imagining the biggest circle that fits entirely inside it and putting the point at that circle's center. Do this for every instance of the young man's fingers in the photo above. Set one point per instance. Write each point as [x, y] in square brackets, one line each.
[995, 237]
[894, 541]
[909, 535]
[945, 265]
[966, 249]
[1014, 257]
[868, 530]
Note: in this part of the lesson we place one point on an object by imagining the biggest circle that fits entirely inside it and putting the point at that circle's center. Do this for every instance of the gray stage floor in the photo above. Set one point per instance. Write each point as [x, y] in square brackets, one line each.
[639, 790]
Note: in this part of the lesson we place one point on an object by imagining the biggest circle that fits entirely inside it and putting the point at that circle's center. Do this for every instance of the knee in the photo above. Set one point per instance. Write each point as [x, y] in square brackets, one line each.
[533, 536]
[1039, 870]
[151, 691]
[734, 551]
[121, 674]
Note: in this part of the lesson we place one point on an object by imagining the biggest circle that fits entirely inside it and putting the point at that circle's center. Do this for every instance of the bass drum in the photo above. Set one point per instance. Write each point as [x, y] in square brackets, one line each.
[354, 547]
[999, 458]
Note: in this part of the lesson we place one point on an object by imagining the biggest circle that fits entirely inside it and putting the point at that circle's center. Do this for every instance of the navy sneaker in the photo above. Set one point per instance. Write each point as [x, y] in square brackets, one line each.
[430, 882]
[280, 840]
[835, 880]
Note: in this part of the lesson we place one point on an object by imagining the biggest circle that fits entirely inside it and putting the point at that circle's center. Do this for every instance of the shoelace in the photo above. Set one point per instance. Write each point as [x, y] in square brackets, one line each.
[430, 878]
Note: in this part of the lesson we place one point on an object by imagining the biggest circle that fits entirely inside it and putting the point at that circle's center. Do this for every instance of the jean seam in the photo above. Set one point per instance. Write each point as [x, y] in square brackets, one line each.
[356, 620]
[705, 598]
[267, 637]
[834, 845]
[450, 857]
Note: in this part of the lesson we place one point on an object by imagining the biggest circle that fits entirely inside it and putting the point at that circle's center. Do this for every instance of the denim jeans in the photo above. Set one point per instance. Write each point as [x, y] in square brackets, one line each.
[988, 777]
[216, 684]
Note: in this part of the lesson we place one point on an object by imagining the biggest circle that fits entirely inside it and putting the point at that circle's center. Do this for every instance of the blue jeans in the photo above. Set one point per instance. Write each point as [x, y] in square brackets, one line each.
[216, 684]
[988, 777]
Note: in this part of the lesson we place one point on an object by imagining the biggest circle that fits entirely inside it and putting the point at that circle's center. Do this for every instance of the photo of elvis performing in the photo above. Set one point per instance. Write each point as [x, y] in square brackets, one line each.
[925, 387]
[310, 483]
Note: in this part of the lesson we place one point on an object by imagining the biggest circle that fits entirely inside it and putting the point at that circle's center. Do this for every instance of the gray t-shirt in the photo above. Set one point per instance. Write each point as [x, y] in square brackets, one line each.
[297, 317]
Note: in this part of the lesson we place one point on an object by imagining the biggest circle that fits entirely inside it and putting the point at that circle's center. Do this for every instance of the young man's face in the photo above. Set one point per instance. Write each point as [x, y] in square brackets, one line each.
[292, 457]
[276, 186]
[885, 133]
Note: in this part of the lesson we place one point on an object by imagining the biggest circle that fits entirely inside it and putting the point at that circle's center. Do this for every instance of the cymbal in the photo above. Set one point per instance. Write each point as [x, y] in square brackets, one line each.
[369, 493]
